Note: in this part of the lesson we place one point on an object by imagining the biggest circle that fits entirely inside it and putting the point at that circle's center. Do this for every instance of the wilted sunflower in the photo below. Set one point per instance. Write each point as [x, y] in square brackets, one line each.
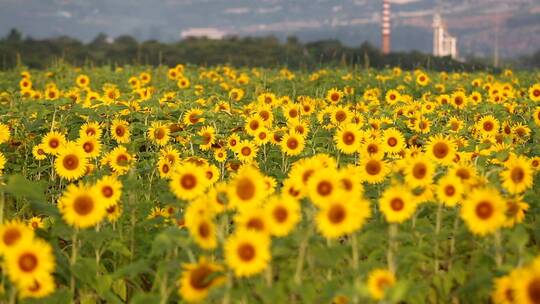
[247, 252]
[484, 211]
[81, 206]
[379, 280]
[397, 204]
[198, 279]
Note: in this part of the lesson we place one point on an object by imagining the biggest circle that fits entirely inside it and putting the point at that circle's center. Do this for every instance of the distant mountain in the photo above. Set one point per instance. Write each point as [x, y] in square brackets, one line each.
[474, 22]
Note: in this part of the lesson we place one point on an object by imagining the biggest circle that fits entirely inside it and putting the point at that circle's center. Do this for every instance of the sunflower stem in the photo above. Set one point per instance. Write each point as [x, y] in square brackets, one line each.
[354, 245]
[437, 232]
[227, 295]
[498, 249]
[268, 275]
[73, 260]
[392, 246]
[300, 261]
[13, 295]
[453, 239]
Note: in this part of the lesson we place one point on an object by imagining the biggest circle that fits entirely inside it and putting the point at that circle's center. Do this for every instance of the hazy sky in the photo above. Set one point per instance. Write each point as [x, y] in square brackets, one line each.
[348, 20]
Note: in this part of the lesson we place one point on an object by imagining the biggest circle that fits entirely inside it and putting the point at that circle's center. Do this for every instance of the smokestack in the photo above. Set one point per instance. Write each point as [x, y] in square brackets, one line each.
[385, 27]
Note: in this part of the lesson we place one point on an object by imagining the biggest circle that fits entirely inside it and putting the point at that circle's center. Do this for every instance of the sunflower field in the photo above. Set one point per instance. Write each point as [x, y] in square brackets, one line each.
[237, 185]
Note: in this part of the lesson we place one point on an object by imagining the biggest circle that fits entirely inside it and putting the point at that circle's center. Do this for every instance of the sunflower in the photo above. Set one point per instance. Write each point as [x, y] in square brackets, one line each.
[188, 181]
[534, 92]
[35, 223]
[171, 154]
[198, 279]
[518, 174]
[397, 204]
[292, 143]
[109, 189]
[247, 252]
[120, 131]
[252, 219]
[208, 134]
[484, 211]
[324, 185]
[2, 162]
[253, 124]
[120, 160]
[29, 261]
[504, 290]
[419, 171]
[193, 116]
[236, 94]
[81, 206]
[282, 213]
[526, 284]
[342, 215]
[212, 173]
[392, 97]
[340, 115]
[262, 137]
[159, 133]
[82, 81]
[458, 100]
[203, 230]
[90, 145]
[52, 142]
[372, 148]
[42, 286]
[334, 95]
[12, 233]
[450, 190]
[441, 149]
[347, 138]
[515, 211]
[393, 141]
[114, 212]
[38, 151]
[488, 125]
[351, 180]
[246, 151]
[233, 141]
[374, 170]
[71, 162]
[246, 189]
[291, 111]
[379, 280]
[4, 133]
[422, 79]
[183, 82]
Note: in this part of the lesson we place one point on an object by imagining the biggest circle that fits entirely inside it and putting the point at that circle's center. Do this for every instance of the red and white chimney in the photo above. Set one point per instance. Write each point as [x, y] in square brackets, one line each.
[385, 27]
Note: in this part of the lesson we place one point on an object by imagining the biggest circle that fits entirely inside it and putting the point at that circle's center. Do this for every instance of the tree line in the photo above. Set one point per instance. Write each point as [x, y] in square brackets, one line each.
[236, 51]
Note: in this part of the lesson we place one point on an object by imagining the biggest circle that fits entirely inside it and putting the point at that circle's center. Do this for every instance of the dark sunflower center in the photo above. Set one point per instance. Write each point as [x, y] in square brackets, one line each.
[28, 262]
[83, 205]
[397, 204]
[337, 214]
[245, 189]
[246, 252]
[280, 214]
[11, 236]
[484, 210]
[188, 181]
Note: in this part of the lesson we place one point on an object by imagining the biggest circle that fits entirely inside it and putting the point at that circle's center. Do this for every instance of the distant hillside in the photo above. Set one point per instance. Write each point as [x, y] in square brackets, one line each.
[351, 21]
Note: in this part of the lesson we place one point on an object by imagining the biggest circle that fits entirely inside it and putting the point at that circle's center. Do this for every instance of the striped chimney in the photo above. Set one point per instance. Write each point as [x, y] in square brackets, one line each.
[385, 27]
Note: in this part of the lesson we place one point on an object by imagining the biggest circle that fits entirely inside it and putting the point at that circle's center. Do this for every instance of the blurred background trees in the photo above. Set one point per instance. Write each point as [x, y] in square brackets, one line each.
[237, 51]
